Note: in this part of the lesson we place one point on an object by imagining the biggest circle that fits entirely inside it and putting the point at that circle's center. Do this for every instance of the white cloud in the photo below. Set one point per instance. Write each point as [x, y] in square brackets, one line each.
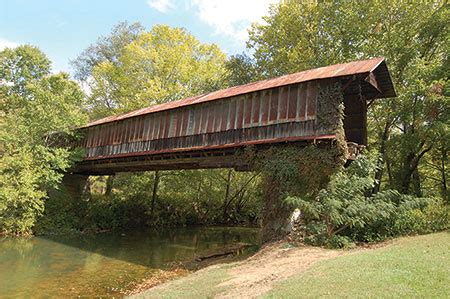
[231, 17]
[7, 44]
[161, 5]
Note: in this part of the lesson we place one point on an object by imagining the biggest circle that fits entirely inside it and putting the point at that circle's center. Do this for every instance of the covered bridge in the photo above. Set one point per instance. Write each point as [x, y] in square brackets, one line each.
[206, 131]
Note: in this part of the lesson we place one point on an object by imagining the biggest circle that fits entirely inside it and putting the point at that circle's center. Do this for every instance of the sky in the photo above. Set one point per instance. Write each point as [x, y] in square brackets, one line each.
[62, 29]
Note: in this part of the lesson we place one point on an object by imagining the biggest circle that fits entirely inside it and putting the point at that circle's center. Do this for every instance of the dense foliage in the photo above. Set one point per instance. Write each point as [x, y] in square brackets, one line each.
[34, 104]
[346, 211]
[156, 66]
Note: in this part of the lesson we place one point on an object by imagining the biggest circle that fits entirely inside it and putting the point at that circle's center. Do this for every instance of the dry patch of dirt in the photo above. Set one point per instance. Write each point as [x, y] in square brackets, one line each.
[256, 275]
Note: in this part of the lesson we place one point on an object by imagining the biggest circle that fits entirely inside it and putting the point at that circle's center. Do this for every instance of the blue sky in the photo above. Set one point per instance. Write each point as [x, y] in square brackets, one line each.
[62, 29]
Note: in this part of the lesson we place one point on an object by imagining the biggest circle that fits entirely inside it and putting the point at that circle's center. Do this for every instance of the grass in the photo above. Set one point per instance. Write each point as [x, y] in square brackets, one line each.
[410, 268]
[202, 284]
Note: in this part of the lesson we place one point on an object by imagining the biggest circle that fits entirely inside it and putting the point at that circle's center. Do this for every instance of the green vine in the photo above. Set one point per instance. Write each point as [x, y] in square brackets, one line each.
[330, 106]
[301, 170]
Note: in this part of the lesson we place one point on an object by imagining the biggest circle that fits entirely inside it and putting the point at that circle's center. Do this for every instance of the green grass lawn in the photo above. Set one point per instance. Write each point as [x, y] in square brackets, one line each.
[410, 267]
[413, 267]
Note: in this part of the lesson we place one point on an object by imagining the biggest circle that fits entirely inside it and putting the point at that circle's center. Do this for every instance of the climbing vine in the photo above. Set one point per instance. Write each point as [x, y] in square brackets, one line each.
[330, 106]
[301, 169]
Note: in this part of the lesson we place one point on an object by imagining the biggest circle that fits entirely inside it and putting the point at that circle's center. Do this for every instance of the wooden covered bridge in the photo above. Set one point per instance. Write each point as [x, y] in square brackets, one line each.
[206, 131]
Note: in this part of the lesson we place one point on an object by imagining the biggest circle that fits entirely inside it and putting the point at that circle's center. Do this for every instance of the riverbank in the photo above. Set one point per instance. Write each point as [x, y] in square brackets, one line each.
[406, 267]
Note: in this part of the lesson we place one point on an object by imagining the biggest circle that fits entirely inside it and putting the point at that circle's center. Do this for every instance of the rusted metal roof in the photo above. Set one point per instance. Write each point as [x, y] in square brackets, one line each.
[374, 65]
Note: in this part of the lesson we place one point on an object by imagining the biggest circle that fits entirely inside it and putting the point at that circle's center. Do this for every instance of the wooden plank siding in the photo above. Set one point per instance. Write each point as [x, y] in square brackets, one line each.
[281, 112]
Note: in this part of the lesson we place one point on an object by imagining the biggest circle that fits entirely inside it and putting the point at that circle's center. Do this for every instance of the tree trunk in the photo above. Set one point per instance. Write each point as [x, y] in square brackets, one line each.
[409, 167]
[444, 158]
[109, 185]
[389, 172]
[227, 196]
[155, 191]
[199, 190]
[240, 202]
[406, 174]
[379, 172]
[416, 183]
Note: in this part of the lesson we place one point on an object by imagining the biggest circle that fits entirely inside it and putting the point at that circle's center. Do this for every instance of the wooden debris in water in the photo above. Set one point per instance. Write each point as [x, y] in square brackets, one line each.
[234, 249]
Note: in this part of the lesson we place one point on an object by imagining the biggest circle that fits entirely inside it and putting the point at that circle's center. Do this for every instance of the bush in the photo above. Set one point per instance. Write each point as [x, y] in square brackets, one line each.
[433, 217]
[342, 213]
[338, 241]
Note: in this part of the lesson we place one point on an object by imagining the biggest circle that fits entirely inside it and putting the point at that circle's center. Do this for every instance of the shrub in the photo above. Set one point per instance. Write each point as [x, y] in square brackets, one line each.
[343, 213]
[419, 220]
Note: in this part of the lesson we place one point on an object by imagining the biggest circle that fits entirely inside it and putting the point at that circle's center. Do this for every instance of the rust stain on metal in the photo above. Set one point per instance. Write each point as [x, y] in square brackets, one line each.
[333, 71]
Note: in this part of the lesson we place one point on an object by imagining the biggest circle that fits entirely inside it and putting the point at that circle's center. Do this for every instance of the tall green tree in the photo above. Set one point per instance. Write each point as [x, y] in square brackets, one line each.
[106, 48]
[241, 69]
[34, 106]
[161, 65]
[18, 67]
[413, 36]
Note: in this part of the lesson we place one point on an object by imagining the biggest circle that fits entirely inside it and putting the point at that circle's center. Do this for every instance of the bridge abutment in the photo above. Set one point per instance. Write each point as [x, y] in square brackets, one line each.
[76, 185]
[276, 212]
[73, 185]
[297, 173]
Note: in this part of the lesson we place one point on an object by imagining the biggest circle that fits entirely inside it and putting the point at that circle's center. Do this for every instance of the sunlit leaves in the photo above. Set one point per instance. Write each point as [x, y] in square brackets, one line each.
[161, 65]
[34, 106]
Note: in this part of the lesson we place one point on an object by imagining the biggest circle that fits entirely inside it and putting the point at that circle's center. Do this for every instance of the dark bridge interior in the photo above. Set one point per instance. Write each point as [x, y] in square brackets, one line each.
[206, 131]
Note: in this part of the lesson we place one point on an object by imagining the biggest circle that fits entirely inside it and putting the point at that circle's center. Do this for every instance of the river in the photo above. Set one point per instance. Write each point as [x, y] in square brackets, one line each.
[105, 264]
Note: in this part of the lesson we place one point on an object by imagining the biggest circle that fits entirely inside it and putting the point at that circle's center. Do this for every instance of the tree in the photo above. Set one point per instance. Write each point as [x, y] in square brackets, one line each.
[413, 36]
[241, 69]
[161, 65]
[107, 48]
[35, 105]
[17, 68]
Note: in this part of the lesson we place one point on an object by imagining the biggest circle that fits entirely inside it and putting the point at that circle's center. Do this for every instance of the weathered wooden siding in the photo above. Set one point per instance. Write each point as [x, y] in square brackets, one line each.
[282, 112]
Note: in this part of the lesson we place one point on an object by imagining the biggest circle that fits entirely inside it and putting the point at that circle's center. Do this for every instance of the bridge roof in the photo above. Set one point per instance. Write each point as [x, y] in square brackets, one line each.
[374, 65]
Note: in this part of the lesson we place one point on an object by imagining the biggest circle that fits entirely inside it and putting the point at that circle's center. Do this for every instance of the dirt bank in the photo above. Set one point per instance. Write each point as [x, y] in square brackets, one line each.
[249, 278]
[256, 275]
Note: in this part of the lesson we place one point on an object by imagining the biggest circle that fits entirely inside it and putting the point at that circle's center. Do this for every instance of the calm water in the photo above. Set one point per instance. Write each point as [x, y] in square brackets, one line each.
[103, 264]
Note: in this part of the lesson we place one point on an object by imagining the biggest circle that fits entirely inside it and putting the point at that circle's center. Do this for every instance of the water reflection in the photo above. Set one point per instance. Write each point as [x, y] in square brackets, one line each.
[103, 264]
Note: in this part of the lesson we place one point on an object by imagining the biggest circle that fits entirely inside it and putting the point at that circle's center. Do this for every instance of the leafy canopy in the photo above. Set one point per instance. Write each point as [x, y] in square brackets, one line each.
[161, 65]
[34, 104]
